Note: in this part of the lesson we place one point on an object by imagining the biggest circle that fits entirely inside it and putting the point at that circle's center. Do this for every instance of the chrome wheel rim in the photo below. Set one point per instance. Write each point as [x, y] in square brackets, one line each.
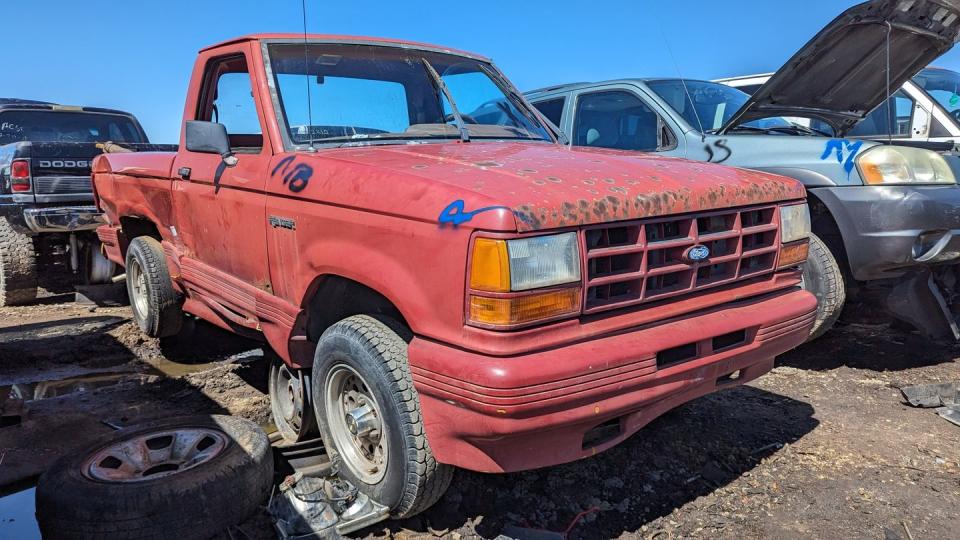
[288, 398]
[159, 454]
[356, 424]
[138, 289]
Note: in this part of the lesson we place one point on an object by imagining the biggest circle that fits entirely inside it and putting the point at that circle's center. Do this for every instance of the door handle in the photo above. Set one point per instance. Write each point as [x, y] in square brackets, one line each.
[184, 172]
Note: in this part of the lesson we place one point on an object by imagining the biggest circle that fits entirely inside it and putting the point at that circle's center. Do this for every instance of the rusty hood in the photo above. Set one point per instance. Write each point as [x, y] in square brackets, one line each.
[840, 75]
[532, 186]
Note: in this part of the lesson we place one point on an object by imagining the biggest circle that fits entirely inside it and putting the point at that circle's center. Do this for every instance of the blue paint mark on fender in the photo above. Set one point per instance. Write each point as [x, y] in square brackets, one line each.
[844, 150]
[455, 215]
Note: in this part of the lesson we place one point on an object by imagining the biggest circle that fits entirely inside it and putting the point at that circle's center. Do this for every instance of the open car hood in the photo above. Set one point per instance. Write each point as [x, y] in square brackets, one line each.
[840, 75]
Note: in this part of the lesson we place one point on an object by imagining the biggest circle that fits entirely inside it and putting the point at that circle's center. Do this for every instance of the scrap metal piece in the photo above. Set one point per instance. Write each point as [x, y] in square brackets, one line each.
[933, 395]
[302, 511]
[310, 508]
[917, 300]
[950, 414]
[362, 513]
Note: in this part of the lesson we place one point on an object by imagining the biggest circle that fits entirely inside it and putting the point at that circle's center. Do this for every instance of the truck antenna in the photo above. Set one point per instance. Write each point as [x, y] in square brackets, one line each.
[306, 69]
[683, 82]
[890, 112]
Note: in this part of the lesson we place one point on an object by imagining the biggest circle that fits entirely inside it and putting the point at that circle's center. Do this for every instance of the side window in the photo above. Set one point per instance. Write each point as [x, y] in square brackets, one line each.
[228, 99]
[552, 109]
[900, 110]
[619, 119]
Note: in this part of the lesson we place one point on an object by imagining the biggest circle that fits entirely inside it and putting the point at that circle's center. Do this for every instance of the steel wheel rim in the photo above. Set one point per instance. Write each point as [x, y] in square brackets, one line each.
[289, 390]
[149, 456]
[356, 424]
[138, 285]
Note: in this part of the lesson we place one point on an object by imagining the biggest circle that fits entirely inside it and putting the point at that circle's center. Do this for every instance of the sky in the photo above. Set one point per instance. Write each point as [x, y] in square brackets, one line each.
[137, 55]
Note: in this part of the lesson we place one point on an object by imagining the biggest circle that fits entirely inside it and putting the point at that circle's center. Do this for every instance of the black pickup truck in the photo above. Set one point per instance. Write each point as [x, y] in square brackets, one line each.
[46, 200]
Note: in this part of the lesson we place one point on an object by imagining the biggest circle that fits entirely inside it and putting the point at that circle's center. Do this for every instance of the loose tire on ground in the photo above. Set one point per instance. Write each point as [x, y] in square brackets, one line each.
[155, 304]
[372, 351]
[822, 277]
[193, 503]
[18, 266]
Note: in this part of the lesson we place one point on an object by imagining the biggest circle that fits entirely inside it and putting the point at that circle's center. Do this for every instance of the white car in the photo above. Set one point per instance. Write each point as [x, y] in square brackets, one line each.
[925, 108]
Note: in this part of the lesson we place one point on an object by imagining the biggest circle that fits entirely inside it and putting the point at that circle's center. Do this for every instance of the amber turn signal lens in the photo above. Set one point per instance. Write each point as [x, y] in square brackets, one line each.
[524, 309]
[794, 253]
[490, 267]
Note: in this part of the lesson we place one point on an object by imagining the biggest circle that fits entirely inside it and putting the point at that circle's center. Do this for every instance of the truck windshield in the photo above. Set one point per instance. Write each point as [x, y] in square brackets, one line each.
[365, 94]
[67, 126]
[942, 85]
[712, 106]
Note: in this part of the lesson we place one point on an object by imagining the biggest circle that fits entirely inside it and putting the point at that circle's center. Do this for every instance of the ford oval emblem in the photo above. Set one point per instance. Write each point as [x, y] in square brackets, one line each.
[697, 253]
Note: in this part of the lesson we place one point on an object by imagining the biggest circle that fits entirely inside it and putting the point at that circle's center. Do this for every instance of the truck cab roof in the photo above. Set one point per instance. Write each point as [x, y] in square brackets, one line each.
[335, 38]
[30, 104]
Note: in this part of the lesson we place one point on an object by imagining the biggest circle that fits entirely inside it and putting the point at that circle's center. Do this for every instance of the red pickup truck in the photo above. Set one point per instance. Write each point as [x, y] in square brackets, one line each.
[443, 283]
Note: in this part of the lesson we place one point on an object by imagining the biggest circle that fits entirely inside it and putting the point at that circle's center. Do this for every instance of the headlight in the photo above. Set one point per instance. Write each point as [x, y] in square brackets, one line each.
[904, 165]
[794, 223]
[525, 263]
[504, 274]
[794, 236]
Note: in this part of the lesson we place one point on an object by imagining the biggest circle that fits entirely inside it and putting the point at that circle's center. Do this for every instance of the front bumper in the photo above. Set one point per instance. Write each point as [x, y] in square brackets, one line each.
[496, 414]
[889, 230]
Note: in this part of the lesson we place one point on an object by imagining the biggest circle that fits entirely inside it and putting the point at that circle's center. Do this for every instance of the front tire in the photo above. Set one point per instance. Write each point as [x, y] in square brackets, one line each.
[155, 304]
[822, 277]
[369, 413]
[18, 266]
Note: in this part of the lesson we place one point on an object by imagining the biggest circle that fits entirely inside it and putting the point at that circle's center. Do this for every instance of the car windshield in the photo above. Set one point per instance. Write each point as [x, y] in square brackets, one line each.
[361, 94]
[943, 85]
[712, 104]
[66, 126]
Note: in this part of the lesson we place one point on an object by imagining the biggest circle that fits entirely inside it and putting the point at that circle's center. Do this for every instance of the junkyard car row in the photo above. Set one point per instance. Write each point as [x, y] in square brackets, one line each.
[452, 277]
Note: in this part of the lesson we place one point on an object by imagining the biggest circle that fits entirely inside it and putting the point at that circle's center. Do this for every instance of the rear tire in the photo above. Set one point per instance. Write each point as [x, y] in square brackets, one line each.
[155, 304]
[362, 384]
[822, 277]
[189, 491]
[18, 266]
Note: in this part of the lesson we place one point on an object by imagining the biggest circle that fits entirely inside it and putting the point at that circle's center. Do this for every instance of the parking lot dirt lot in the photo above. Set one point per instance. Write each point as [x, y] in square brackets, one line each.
[823, 447]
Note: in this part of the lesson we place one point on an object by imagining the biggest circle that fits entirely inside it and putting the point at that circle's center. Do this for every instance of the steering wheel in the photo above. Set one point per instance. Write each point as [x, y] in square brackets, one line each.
[467, 119]
[955, 114]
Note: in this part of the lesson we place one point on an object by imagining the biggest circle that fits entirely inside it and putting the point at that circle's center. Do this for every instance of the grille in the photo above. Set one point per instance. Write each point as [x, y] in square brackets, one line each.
[54, 185]
[642, 261]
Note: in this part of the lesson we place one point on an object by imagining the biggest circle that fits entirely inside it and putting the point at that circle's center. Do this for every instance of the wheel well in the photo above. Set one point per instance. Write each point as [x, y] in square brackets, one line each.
[135, 226]
[132, 227]
[335, 298]
[825, 226]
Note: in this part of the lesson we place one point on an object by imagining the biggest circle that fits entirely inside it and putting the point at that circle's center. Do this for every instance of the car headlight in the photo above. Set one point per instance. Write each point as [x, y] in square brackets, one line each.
[524, 280]
[794, 236]
[904, 165]
[794, 223]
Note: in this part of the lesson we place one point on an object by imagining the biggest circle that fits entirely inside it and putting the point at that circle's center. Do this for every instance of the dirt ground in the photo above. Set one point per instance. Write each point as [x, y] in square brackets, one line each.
[822, 447]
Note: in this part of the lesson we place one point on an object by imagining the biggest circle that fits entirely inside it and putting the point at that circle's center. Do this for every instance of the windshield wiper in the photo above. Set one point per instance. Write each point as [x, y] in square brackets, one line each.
[781, 129]
[519, 100]
[442, 86]
[793, 129]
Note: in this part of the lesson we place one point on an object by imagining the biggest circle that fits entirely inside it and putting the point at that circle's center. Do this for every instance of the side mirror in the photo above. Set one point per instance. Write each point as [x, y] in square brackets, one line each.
[210, 138]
